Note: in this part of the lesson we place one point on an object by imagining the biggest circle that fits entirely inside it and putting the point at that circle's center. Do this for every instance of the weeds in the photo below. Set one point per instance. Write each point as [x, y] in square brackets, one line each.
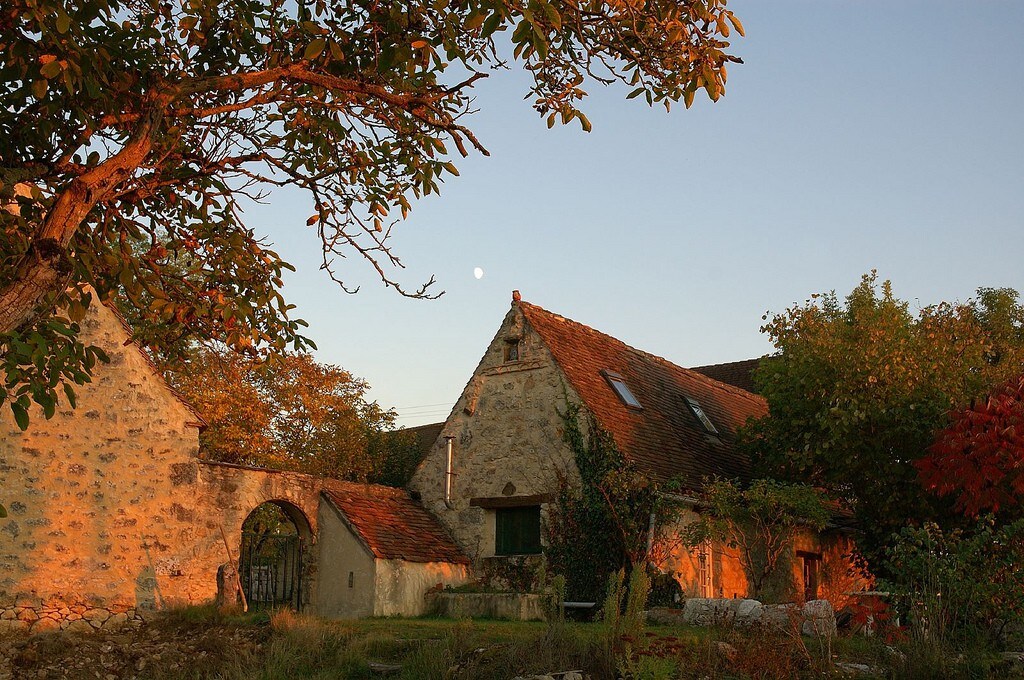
[208, 644]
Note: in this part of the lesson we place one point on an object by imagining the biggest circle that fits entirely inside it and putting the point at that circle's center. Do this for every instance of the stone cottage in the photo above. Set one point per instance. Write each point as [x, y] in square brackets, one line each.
[495, 467]
[112, 512]
[386, 550]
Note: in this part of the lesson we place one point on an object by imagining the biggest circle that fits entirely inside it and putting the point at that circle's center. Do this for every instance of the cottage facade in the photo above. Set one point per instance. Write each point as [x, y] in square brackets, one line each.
[385, 552]
[497, 464]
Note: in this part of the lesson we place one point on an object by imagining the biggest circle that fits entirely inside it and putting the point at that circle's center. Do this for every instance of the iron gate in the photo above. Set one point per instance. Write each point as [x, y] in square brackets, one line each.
[270, 568]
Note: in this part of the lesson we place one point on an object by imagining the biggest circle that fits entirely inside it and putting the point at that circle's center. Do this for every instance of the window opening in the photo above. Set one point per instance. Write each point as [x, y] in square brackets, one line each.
[701, 416]
[618, 384]
[511, 351]
[517, 530]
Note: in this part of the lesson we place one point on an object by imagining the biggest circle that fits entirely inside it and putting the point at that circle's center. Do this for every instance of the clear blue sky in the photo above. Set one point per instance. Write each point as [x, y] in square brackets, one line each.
[857, 135]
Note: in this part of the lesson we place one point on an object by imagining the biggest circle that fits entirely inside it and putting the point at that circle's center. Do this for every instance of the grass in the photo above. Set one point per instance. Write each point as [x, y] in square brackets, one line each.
[202, 643]
[306, 647]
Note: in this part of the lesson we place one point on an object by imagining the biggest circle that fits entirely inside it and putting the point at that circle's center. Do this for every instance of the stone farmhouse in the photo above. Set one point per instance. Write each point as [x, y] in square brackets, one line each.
[495, 466]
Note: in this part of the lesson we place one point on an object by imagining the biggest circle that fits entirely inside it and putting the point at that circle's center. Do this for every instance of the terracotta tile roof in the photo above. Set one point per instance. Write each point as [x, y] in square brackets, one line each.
[736, 373]
[664, 438]
[391, 525]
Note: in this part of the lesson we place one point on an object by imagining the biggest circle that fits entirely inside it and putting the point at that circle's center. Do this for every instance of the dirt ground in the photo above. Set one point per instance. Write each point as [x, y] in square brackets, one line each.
[150, 651]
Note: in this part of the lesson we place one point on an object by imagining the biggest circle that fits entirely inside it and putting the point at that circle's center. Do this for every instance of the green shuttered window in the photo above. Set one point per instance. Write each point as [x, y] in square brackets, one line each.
[517, 530]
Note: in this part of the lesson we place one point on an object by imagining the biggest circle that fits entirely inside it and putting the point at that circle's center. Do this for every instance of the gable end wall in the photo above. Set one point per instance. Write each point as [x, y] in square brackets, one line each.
[507, 435]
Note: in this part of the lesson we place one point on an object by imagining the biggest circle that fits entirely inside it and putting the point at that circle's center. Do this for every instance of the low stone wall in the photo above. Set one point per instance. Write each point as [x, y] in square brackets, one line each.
[32, 615]
[814, 618]
[507, 606]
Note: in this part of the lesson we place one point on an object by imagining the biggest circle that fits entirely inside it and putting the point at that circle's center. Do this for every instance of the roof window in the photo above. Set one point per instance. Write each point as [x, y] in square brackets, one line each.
[619, 385]
[701, 416]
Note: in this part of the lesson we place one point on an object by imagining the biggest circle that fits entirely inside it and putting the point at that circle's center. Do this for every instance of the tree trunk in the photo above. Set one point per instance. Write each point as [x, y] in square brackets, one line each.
[45, 267]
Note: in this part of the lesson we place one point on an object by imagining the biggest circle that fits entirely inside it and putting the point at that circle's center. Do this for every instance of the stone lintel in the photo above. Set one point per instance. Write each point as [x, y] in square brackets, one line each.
[493, 502]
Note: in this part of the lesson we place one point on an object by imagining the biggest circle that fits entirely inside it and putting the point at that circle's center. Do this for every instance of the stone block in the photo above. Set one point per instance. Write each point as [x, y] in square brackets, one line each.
[27, 614]
[819, 620]
[747, 613]
[780, 615]
[116, 621]
[45, 625]
[13, 626]
[79, 626]
[96, 615]
[704, 611]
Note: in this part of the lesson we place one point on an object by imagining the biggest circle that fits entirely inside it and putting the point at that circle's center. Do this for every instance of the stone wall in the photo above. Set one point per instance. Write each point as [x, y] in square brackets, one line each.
[838, 576]
[505, 606]
[507, 438]
[100, 497]
[401, 587]
[111, 513]
[815, 618]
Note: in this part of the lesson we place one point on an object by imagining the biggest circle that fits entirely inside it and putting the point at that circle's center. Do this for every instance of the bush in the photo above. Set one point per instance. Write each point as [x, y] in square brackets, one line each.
[959, 587]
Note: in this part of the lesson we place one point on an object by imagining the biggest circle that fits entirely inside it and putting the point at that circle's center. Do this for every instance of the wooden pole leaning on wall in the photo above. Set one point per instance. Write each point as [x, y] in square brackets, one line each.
[231, 561]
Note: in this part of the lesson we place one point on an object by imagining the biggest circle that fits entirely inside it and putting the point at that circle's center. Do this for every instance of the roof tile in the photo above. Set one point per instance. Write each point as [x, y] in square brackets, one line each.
[392, 525]
[736, 373]
[664, 438]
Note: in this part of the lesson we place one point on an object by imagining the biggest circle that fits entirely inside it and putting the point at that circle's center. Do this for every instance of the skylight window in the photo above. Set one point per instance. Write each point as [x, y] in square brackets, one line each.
[701, 416]
[619, 385]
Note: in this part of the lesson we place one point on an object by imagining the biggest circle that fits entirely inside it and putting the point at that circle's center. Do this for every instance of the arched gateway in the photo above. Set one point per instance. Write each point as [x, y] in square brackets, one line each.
[272, 560]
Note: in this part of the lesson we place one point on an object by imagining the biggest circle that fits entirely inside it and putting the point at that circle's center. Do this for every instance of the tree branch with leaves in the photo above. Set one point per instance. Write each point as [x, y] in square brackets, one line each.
[136, 131]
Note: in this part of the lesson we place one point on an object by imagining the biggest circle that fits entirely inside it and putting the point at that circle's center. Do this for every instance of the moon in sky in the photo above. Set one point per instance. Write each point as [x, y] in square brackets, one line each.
[478, 272]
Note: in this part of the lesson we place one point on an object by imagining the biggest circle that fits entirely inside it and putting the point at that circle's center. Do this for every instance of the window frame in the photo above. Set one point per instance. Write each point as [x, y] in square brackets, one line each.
[701, 415]
[512, 351]
[621, 390]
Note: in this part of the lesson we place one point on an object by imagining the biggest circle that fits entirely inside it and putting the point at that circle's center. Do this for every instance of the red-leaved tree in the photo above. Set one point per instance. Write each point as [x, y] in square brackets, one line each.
[979, 457]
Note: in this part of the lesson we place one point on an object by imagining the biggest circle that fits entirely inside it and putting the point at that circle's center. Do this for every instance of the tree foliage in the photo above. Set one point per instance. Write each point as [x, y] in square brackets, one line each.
[292, 413]
[135, 131]
[758, 520]
[979, 458]
[860, 387]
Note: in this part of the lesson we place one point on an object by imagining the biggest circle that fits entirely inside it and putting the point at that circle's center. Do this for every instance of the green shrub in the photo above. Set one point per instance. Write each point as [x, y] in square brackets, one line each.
[959, 588]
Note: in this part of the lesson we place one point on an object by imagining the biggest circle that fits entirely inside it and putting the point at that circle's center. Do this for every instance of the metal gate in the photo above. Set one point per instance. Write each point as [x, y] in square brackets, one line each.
[270, 568]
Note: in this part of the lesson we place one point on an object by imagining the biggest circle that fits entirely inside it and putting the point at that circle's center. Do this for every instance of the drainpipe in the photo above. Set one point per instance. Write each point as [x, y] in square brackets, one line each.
[448, 471]
[650, 534]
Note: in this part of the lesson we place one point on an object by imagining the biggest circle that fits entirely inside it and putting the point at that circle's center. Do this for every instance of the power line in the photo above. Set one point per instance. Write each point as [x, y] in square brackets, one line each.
[415, 414]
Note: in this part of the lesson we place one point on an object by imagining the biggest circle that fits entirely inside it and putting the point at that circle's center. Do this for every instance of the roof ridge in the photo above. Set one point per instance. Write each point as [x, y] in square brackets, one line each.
[729, 363]
[700, 376]
[333, 484]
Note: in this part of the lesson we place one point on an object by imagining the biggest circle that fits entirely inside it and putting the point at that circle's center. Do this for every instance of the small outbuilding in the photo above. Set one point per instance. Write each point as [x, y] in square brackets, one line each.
[380, 552]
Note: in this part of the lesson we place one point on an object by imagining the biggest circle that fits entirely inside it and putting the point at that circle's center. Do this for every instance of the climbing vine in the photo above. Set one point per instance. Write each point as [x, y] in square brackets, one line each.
[602, 524]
